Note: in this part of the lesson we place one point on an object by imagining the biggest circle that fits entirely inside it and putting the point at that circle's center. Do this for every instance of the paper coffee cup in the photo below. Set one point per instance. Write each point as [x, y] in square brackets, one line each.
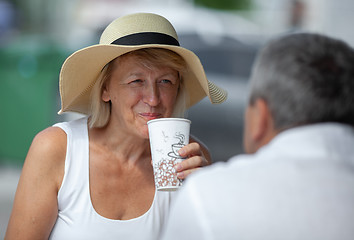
[167, 136]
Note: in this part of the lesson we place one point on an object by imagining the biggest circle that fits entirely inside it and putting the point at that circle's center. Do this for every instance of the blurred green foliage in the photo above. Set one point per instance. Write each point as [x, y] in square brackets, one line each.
[29, 70]
[225, 4]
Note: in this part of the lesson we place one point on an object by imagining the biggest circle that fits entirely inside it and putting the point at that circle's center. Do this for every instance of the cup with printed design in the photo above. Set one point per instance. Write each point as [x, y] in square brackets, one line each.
[167, 136]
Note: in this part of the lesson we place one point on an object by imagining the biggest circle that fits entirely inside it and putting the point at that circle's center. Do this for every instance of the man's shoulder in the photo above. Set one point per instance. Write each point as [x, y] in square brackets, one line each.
[221, 170]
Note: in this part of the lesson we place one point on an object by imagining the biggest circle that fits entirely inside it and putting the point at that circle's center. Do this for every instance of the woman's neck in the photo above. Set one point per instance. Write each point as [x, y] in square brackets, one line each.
[125, 147]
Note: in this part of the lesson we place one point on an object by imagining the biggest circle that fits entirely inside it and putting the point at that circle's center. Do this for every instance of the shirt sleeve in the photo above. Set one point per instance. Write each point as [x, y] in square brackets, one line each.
[187, 218]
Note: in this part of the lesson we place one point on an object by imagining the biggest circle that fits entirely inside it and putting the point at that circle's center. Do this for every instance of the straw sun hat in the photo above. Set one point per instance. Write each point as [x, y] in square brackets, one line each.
[125, 34]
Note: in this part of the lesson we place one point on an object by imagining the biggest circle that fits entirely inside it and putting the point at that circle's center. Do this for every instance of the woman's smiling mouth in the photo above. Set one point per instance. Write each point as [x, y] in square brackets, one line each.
[150, 116]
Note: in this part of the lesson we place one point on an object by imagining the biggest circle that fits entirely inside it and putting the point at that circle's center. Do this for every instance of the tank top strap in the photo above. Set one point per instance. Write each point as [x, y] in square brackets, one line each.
[76, 174]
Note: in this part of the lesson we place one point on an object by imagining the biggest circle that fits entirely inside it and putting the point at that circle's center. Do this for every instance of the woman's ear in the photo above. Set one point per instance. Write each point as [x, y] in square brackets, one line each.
[105, 94]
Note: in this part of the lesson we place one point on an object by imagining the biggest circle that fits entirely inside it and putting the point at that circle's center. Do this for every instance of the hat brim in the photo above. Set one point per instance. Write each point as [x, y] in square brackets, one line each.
[80, 71]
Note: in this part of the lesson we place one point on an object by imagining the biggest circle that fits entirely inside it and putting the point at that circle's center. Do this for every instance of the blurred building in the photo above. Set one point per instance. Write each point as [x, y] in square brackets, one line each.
[332, 18]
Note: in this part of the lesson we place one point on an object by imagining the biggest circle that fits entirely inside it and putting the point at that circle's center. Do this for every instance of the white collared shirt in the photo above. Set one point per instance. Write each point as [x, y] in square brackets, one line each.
[299, 186]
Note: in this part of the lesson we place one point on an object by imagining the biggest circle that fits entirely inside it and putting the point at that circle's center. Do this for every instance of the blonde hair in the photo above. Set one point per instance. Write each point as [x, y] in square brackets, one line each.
[148, 57]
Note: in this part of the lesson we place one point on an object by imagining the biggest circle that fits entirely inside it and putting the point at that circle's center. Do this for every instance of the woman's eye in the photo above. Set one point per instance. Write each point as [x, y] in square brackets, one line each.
[166, 81]
[137, 81]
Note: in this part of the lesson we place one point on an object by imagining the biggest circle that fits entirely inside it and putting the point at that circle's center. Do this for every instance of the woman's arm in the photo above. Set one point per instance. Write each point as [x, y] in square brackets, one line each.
[35, 206]
[197, 155]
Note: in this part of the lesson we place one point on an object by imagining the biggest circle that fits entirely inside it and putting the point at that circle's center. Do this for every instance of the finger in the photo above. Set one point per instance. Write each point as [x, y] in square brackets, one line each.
[190, 163]
[184, 174]
[191, 149]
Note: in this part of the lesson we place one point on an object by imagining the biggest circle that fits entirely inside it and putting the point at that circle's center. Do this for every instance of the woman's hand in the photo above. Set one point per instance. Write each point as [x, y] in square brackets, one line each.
[197, 155]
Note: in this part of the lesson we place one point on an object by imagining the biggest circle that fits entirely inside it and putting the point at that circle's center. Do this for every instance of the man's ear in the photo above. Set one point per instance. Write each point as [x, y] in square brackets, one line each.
[262, 122]
[259, 126]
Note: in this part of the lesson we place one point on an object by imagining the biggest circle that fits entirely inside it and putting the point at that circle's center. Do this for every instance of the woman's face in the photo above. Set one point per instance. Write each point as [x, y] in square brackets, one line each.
[139, 94]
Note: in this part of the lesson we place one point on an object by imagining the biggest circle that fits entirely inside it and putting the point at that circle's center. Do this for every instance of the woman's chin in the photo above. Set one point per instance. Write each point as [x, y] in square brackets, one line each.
[145, 132]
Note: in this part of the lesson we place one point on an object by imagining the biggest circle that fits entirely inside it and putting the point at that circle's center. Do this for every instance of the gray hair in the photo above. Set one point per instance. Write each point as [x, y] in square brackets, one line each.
[305, 78]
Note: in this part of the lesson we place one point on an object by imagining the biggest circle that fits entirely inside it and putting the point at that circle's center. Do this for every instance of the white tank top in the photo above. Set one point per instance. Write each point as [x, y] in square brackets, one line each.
[77, 219]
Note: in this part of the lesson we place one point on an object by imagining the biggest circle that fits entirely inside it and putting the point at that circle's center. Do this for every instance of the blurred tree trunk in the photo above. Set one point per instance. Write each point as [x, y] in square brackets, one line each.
[225, 4]
[34, 16]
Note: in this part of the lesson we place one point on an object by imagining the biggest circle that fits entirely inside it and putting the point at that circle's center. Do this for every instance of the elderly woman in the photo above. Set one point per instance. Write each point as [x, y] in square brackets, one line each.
[92, 178]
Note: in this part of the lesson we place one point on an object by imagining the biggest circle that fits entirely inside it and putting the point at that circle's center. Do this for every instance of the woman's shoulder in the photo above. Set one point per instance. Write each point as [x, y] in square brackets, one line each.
[46, 157]
[48, 148]
[51, 138]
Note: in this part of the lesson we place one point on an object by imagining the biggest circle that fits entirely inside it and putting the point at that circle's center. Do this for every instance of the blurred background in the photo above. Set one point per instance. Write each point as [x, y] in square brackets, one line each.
[36, 36]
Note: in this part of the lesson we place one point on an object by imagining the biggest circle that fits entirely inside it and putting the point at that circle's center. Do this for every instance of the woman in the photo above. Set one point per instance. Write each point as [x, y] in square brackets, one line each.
[92, 178]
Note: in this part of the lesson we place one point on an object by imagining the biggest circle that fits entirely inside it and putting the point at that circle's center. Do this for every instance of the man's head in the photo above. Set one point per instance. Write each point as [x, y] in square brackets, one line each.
[299, 79]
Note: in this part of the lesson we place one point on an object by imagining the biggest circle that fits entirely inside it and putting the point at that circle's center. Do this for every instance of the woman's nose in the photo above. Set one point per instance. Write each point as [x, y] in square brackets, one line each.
[151, 95]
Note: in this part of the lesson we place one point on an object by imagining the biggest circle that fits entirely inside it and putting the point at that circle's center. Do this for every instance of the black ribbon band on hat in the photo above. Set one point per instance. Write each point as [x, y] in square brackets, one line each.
[146, 38]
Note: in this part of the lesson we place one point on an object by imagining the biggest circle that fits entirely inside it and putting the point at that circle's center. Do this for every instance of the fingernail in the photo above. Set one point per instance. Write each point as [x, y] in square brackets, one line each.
[178, 167]
[180, 175]
[181, 152]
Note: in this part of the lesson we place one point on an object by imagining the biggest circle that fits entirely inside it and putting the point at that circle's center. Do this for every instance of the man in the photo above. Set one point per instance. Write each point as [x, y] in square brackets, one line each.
[297, 179]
